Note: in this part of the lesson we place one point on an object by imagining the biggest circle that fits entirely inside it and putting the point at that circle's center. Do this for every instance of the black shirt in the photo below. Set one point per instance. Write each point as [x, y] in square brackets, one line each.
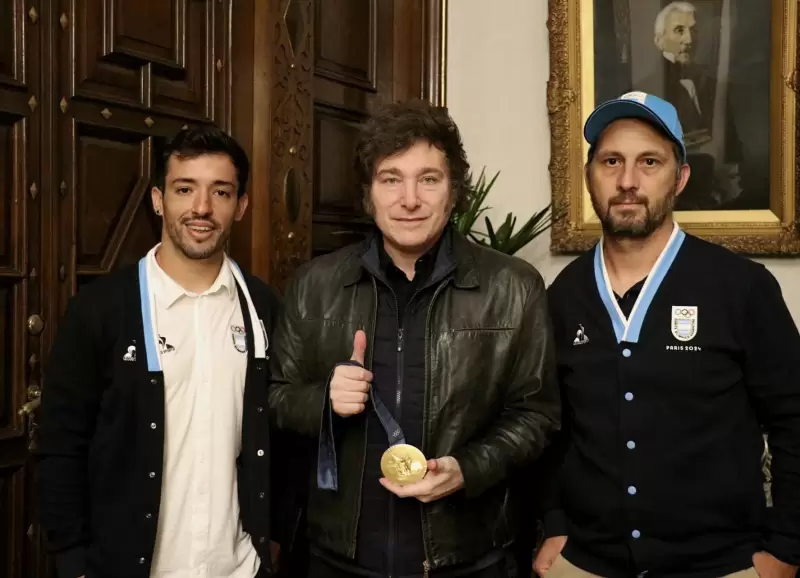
[403, 287]
[628, 300]
[662, 444]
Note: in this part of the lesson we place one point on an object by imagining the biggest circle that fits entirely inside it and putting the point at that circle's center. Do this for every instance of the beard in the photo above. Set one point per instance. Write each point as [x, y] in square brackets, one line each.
[634, 225]
[191, 249]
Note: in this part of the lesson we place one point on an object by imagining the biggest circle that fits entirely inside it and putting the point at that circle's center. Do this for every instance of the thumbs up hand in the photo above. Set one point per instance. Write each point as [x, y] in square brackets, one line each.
[350, 383]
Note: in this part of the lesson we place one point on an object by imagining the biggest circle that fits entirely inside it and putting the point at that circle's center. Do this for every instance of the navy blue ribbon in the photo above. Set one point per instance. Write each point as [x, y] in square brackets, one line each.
[327, 470]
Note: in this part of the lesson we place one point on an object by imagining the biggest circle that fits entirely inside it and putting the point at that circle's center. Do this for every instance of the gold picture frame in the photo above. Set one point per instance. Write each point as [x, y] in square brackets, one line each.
[570, 99]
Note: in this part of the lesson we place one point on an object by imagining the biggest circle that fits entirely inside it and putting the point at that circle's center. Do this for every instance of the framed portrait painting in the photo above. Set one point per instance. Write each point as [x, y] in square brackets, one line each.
[730, 69]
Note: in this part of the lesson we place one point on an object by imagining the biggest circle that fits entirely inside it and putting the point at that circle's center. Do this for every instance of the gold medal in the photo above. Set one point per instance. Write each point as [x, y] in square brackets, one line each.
[403, 464]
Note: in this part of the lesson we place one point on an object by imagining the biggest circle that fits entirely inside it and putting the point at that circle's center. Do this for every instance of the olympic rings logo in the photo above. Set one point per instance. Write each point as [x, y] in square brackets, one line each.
[685, 312]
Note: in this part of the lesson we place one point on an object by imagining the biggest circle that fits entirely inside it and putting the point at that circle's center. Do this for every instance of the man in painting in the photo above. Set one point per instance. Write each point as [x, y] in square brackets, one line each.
[658, 468]
[681, 81]
[691, 88]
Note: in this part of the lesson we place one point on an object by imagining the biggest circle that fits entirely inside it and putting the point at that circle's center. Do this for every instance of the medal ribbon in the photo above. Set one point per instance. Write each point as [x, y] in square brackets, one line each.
[327, 471]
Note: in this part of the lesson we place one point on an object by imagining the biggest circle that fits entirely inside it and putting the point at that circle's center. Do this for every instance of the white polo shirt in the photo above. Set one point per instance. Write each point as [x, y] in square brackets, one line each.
[203, 355]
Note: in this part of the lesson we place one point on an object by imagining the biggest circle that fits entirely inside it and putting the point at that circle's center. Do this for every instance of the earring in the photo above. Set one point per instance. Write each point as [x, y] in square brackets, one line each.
[158, 212]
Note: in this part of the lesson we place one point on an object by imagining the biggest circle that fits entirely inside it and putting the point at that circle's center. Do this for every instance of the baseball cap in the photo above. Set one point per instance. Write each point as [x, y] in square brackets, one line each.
[636, 105]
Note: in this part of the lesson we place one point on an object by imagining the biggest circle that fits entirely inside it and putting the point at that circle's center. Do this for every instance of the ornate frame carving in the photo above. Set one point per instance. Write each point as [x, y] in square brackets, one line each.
[292, 108]
[570, 96]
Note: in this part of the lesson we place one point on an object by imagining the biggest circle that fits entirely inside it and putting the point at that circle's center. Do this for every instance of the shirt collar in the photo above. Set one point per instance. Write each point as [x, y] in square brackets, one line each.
[423, 266]
[168, 291]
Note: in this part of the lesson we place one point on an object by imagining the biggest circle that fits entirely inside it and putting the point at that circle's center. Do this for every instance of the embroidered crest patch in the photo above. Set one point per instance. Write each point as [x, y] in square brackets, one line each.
[684, 322]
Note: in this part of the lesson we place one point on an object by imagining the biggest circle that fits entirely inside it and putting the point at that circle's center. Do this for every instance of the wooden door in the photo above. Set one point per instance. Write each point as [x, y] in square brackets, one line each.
[89, 89]
[130, 73]
[335, 62]
[22, 279]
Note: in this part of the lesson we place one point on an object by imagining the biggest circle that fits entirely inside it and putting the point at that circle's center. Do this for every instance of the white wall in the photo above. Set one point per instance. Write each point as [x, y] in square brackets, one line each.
[497, 70]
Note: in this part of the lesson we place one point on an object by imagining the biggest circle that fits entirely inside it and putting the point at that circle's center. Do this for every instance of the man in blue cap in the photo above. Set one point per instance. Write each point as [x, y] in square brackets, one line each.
[658, 469]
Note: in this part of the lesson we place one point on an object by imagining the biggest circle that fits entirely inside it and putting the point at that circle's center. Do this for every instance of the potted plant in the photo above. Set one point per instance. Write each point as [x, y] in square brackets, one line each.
[502, 238]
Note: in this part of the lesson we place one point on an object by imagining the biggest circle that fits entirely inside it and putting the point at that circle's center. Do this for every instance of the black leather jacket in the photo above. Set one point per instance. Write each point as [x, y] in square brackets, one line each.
[491, 397]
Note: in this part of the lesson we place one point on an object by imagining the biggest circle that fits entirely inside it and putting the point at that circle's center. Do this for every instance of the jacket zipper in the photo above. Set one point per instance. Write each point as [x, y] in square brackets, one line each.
[426, 565]
[370, 344]
[398, 397]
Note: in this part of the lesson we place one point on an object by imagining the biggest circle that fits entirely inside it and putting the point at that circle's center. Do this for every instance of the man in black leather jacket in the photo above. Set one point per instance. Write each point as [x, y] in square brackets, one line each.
[449, 350]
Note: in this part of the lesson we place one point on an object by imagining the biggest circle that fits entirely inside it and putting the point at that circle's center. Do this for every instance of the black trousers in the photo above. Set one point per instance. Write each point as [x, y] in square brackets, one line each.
[504, 568]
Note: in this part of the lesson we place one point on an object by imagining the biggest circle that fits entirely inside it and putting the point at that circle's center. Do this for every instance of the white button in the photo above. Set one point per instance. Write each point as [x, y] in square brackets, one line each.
[141, 560]
[636, 533]
[629, 396]
[260, 453]
[153, 425]
[152, 474]
[631, 444]
[632, 490]
[626, 352]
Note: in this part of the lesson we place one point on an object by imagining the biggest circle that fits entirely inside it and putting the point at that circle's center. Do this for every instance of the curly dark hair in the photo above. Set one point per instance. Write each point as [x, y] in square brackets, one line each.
[203, 140]
[398, 126]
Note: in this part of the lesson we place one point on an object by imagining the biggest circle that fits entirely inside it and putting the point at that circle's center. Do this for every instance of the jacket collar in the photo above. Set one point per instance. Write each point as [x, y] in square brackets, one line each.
[456, 252]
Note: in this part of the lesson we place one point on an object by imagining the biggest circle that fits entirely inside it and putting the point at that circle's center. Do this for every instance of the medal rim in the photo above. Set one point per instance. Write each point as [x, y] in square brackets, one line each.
[414, 450]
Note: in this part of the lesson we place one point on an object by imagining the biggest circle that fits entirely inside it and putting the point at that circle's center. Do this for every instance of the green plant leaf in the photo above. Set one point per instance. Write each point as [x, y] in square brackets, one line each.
[490, 232]
[476, 194]
[502, 238]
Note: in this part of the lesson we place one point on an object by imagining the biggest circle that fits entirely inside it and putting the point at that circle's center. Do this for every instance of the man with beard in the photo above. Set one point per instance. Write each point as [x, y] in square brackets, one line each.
[154, 442]
[658, 466]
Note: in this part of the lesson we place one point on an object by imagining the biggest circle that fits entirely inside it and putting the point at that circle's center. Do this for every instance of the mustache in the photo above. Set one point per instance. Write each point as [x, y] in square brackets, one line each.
[197, 219]
[624, 197]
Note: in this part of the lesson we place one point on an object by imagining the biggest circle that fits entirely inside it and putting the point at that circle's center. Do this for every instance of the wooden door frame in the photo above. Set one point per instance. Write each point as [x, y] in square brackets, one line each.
[265, 242]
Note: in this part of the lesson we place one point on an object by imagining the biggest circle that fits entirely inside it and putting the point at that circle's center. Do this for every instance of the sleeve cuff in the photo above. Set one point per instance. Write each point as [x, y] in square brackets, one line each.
[473, 484]
[555, 524]
[784, 548]
[71, 563]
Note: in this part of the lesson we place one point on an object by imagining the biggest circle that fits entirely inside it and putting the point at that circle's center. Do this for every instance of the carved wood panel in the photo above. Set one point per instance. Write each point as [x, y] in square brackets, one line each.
[291, 154]
[147, 53]
[339, 53]
[133, 73]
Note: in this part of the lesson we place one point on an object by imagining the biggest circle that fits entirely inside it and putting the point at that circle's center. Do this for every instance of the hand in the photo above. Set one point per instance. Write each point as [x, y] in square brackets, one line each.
[550, 550]
[442, 479]
[768, 566]
[350, 384]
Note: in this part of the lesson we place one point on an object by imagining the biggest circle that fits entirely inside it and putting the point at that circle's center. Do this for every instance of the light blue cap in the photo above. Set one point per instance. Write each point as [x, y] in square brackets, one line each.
[636, 105]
